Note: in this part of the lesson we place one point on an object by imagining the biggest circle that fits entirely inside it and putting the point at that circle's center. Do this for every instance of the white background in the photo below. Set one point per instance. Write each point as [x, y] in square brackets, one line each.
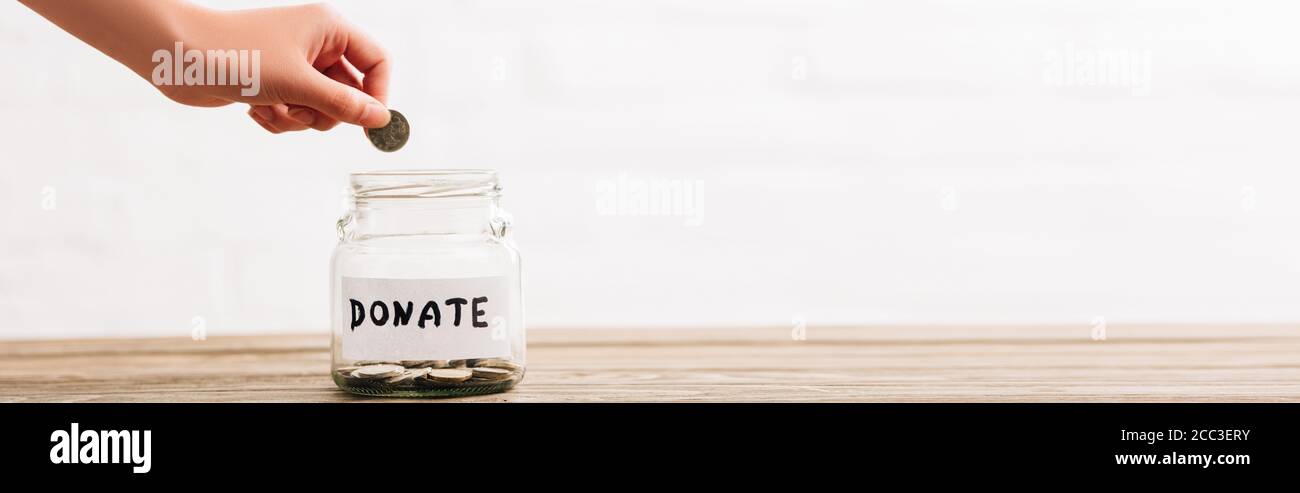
[859, 163]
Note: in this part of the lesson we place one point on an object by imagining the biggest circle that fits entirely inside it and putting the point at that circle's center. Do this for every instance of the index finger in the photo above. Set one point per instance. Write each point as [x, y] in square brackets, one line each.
[369, 58]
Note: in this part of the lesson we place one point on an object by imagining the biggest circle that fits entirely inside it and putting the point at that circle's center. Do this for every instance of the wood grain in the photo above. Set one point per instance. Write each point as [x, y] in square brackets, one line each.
[844, 364]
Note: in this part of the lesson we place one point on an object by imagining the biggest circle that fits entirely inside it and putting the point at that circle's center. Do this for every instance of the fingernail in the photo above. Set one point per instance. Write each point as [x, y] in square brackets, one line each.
[264, 113]
[374, 115]
[303, 116]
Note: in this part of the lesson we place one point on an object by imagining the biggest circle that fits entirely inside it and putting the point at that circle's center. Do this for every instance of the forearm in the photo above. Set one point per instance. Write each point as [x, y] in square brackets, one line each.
[128, 31]
[306, 66]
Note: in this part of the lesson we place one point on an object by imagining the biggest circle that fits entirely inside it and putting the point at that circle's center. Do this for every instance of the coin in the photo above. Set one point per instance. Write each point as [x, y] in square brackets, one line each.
[391, 137]
[368, 362]
[497, 363]
[408, 375]
[424, 363]
[449, 375]
[492, 373]
[378, 371]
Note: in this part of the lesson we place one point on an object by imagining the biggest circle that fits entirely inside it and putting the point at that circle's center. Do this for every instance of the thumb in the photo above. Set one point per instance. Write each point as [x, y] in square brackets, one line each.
[339, 101]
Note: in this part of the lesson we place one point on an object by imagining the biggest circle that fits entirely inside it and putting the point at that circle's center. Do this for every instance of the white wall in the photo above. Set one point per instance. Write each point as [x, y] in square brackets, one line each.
[858, 162]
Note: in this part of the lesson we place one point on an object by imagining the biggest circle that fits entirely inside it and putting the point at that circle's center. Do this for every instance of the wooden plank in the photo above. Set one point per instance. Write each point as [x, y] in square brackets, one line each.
[1205, 363]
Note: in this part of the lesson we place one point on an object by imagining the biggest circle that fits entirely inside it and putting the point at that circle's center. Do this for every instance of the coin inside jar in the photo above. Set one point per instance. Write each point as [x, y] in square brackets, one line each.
[378, 371]
[408, 375]
[497, 363]
[449, 375]
[492, 373]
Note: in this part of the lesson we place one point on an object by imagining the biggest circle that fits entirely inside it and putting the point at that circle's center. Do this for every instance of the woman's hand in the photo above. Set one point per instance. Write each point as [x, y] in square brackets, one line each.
[316, 69]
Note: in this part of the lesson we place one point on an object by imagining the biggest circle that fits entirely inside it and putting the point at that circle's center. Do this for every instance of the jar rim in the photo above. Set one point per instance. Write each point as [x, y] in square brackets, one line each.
[427, 183]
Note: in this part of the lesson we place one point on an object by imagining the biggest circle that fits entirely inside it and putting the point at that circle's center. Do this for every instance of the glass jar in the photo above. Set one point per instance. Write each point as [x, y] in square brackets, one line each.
[425, 290]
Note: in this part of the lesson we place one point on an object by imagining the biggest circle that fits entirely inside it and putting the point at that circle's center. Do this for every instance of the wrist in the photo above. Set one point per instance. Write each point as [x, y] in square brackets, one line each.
[168, 22]
[187, 29]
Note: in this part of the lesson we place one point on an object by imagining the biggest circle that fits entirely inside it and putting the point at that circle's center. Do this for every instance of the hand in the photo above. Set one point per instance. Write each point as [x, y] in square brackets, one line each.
[316, 69]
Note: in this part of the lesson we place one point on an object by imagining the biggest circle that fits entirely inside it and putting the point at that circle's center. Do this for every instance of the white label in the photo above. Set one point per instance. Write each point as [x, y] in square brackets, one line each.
[424, 319]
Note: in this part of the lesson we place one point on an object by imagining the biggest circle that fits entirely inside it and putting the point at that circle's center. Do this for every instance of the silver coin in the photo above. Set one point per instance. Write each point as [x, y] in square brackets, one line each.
[418, 363]
[368, 362]
[425, 363]
[449, 375]
[497, 363]
[378, 371]
[391, 137]
[408, 375]
[492, 373]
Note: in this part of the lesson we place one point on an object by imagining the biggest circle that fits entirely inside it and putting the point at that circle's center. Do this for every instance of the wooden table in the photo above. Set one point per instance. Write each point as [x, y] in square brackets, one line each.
[878, 364]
